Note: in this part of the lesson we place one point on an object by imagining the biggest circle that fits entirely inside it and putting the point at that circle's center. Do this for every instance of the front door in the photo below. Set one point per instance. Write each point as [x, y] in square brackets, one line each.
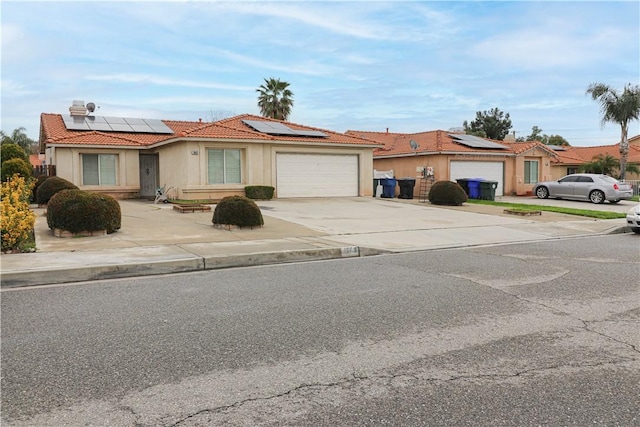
[148, 175]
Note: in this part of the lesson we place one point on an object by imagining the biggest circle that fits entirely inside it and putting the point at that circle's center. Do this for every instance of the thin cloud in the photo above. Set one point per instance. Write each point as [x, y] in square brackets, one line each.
[161, 81]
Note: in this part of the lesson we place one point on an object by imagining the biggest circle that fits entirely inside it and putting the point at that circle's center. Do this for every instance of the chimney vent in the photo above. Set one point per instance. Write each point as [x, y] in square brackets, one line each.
[78, 109]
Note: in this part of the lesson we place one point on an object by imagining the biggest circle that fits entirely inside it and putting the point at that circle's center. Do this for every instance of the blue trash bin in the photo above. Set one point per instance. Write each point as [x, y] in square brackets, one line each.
[474, 187]
[388, 187]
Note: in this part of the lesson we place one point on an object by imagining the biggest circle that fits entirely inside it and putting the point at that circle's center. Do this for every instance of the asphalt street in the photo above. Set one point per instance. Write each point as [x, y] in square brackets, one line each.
[538, 333]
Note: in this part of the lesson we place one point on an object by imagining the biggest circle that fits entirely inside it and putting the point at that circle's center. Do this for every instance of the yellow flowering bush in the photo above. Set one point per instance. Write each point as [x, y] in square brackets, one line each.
[16, 219]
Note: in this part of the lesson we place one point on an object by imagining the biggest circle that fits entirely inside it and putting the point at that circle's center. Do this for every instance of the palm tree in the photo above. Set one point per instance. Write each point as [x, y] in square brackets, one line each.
[275, 100]
[606, 164]
[620, 108]
[18, 137]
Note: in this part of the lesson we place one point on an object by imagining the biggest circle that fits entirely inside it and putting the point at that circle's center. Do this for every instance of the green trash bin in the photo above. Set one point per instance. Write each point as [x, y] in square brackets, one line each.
[464, 183]
[488, 190]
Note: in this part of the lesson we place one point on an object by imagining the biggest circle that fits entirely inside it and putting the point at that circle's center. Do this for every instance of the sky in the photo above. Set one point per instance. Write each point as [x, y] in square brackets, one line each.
[405, 66]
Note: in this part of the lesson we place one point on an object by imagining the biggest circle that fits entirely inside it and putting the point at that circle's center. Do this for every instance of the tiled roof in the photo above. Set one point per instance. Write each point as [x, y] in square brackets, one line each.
[437, 141]
[579, 155]
[53, 131]
[35, 160]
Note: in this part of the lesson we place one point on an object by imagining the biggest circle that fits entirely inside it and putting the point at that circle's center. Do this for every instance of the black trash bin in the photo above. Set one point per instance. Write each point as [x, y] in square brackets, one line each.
[464, 183]
[406, 188]
[388, 187]
[488, 190]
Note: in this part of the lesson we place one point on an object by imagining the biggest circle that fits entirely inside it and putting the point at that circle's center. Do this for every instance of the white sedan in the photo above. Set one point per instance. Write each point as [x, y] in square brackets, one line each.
[585, 186]
[633, 219]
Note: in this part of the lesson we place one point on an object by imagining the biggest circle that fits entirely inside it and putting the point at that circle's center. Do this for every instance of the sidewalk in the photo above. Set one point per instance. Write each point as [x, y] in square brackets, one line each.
[155, 239]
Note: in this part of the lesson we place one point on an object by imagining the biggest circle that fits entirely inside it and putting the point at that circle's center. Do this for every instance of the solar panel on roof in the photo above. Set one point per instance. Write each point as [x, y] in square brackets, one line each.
[75, 123]
[120, 127]
[275, 128]
[310, 133]
[115, 124]
[101, 126]
[132, 121]
[117, 120]
[476, 142]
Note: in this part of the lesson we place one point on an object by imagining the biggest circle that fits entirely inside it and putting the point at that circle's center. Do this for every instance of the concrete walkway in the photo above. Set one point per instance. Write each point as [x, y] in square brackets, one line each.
[156, 239]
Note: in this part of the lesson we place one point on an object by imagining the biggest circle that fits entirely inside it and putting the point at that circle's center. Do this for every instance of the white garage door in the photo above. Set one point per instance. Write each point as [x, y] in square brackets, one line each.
[493, 171]
[316, 175]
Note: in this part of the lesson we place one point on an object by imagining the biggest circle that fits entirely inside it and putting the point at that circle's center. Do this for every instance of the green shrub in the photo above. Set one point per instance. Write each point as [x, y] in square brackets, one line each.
[237, 210]
[38, 182]
[259, 192]
[13, 151]
[447, 193]
[15, 166]
[77, 210]
[51, 186]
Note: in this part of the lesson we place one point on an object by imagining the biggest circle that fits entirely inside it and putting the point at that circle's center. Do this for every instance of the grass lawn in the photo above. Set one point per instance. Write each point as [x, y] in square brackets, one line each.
[523, 207]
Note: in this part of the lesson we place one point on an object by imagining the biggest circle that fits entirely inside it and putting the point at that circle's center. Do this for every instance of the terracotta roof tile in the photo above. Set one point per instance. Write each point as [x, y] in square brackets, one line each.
[579, 155]
[437, 141]
[53, 131]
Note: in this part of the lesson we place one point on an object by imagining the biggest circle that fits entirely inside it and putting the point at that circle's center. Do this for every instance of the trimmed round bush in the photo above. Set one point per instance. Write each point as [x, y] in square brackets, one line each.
[77, 210]
[447, 193]
[39, 180]
[51, 186]
[259, 192]
[15, 166]
[237, 210]
[13, 151]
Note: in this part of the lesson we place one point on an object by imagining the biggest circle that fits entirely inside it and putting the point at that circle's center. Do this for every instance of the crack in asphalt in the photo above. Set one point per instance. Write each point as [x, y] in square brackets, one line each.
[553, 310]
[387, 378]
[265, 398]
[129, 409]
[587, 328]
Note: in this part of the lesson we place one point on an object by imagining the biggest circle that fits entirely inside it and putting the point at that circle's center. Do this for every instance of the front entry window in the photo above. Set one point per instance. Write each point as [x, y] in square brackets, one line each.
[99, 169]
[224, 166]
[530, 171]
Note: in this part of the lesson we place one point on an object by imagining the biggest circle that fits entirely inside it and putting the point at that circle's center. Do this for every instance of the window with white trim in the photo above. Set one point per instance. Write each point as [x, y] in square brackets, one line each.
[530, 171]
[223, 166]
[99, 169]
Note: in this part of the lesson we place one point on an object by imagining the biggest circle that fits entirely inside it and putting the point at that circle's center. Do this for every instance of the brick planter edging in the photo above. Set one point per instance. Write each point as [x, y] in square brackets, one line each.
[522, 213]
[64, 233]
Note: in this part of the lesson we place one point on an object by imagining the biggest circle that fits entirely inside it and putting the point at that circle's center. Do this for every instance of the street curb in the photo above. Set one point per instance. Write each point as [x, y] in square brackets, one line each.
[197, 263]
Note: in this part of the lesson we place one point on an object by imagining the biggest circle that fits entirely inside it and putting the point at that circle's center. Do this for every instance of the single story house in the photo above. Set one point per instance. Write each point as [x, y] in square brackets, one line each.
[132, 158]
[569, 159]
[516, 166]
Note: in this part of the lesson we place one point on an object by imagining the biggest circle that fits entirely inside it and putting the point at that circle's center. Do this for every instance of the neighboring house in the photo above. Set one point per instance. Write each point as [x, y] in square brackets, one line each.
[515, 166]
[36, 160]
[569, 159]
[131, 158]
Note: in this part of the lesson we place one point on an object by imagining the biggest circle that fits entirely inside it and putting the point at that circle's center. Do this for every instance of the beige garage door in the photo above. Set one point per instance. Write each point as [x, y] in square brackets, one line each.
[316, 175]
[493, 171]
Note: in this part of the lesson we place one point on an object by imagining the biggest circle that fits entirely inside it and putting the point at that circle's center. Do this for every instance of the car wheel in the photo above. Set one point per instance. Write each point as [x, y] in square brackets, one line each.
[542, 192]
[596, 196]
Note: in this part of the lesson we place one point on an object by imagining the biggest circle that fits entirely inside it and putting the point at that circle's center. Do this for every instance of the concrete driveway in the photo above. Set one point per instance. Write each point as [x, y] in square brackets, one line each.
[407, 225]
[155, 239]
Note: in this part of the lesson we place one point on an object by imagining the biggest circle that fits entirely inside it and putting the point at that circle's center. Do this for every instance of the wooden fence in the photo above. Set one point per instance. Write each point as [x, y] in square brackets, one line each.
[47, 170]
